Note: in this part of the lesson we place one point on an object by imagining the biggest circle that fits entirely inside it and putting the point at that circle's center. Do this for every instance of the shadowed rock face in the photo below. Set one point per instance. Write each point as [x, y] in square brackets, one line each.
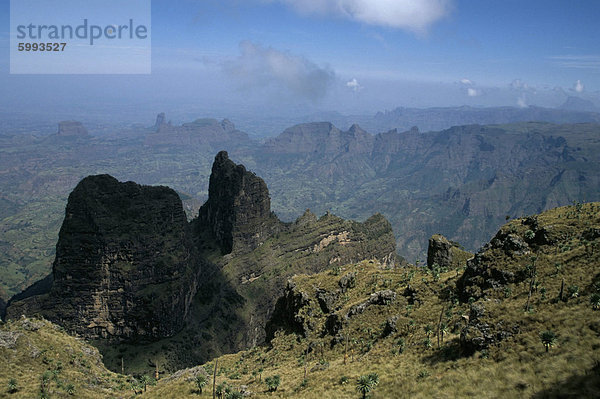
[123, 263]
[445, 253]
[238, 210]
[128, 264]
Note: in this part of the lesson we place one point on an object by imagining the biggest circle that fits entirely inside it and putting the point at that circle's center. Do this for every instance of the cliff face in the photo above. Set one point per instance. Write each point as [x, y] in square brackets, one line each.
[445, 253]
[123, 266]
[238, 210]
[129, 265]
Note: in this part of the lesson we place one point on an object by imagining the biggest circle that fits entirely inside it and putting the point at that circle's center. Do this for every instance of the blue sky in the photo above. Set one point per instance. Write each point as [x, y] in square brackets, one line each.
[352, 56]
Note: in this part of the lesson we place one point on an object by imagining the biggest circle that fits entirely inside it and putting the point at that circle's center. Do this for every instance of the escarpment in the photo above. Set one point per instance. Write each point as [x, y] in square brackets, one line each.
[129, 265]
[124, 263]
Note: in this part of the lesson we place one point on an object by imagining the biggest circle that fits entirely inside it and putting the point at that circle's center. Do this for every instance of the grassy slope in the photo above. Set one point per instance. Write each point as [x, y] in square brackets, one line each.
[518, 367]
[32, 350]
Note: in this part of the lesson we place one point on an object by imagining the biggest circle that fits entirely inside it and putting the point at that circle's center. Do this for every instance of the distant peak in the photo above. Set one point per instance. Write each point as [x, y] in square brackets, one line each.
[221, 156]
[238, 209]
[573, 103]
[355, 128]
[160, 120]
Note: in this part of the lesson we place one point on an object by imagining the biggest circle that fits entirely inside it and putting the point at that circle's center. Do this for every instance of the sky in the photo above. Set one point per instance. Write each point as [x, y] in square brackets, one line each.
[289, 57]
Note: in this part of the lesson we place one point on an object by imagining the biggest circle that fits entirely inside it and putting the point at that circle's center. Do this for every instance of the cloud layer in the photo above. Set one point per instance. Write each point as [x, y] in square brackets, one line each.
[403, 14]
[266, 67]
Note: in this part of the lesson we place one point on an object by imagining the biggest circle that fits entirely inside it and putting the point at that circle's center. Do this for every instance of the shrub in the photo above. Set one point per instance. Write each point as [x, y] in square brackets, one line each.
[595, 301]
[221, 389]
[70, 389]
[366, 383]
[423, 374]
[12, 386]
[573, 291]
[273, 382]
[529, 235]
[234, 395]
[548, 338]
[401, 344]
[201, 382]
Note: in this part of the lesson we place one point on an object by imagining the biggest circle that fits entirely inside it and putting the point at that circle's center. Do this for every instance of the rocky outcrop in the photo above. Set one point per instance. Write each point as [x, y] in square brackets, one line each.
[199, 133]
[71, 129]
[161, 120]
[504, 260]
[128, 264]
[286, 315]
[384, 297]
[445, 253]
[479, 334]
[124, 264]
[238, 210]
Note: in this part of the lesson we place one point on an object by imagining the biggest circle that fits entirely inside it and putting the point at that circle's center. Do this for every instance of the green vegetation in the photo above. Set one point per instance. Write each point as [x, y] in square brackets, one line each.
[12, 386]
[515, 366]
[367, 383]
[201, 382]
[273, 382]
[45, 362]
[548, 338]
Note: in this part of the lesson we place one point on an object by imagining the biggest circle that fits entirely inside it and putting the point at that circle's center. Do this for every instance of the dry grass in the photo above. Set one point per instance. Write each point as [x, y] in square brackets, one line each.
[518, 366]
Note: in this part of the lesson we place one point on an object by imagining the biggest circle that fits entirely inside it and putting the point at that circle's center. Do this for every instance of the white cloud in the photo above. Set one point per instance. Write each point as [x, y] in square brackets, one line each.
[578, 86]
[466, 81]
[260, 67]
[473, 92]
[521, 102]
[403, 14]
[353, 84]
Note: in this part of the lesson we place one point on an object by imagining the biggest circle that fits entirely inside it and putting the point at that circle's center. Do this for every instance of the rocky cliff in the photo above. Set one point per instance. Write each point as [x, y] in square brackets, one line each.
[124, 264]
[445, 253]
[238, 210]
[129, 265]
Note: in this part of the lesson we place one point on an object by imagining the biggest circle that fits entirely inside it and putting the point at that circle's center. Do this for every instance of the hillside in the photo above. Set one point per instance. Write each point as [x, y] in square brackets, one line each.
[39, 359]
[387, 321]
[424, 332]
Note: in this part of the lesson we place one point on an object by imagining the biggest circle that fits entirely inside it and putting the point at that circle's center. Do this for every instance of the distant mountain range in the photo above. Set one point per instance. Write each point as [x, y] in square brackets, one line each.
[462, 182]
[573, 110]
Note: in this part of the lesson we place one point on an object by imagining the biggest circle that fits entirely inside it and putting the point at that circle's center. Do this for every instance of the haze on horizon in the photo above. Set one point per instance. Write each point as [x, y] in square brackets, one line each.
[272, 58]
